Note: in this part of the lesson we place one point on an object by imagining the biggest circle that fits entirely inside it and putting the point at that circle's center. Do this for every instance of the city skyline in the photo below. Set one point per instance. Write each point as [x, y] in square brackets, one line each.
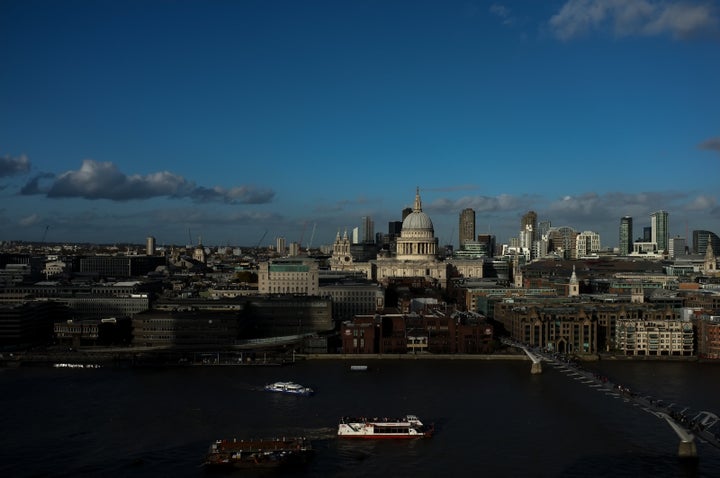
[234, 123]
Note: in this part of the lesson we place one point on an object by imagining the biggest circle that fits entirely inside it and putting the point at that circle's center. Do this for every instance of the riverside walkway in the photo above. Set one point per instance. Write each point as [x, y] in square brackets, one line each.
[686, 423]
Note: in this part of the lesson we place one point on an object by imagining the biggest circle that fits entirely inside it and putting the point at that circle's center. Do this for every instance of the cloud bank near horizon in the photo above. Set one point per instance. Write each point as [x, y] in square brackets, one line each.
[103, 180]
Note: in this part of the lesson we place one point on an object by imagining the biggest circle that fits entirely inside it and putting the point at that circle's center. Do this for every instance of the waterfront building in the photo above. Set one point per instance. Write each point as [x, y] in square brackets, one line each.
[432, 330]
[709, 337]
[664, 336]
[466, 229]
[287, 315]
[626, 236]
[29, 323]
[351, 297]
[297, 275]
[552, 325]
[660, 230]
[186, 328]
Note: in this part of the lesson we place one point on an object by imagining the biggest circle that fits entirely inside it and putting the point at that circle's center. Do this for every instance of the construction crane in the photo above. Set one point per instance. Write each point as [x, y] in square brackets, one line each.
[261, 239]
[312, 236]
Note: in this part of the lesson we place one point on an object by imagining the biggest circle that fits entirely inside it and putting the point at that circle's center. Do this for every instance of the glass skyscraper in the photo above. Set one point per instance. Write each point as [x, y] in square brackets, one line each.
[626, 236]
[660, 230]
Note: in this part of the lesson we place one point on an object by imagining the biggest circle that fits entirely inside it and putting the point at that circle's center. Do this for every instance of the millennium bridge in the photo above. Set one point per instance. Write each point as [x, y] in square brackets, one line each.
[686, 424]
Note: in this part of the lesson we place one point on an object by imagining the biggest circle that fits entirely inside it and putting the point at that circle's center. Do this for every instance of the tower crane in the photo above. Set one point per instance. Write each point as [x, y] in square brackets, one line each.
[312, 236]
[261, 239]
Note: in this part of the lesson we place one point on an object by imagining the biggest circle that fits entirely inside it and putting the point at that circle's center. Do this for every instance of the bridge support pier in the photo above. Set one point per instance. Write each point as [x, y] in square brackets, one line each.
[536, 368]
[687, 449]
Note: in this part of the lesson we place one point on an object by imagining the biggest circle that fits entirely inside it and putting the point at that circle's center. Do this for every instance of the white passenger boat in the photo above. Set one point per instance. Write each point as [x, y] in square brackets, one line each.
[408, 426]
[291, 388]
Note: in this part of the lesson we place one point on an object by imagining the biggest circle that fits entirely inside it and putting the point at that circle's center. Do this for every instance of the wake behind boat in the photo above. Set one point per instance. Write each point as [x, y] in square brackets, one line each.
[408, 426]
[291, 388]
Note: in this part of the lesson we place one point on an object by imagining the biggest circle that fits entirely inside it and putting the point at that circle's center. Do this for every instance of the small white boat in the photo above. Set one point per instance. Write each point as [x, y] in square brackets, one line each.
[291, 388]
[358, 368]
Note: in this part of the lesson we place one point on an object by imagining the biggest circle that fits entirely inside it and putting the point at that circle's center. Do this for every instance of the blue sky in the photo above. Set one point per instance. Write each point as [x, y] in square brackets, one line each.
[228, 121]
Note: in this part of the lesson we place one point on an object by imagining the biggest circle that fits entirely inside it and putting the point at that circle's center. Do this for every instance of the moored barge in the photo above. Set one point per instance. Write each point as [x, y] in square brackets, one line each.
[259, 453]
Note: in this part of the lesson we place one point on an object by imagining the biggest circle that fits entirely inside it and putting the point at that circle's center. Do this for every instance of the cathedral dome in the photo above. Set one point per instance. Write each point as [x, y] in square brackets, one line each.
[417, 220]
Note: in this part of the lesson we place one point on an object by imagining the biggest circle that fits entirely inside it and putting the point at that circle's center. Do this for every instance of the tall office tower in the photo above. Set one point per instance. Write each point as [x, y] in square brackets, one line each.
[488, 240]
[626, 236]
[701, 239]
[368, 229]
[647, 234]
[150, 246]
[355, 235]
[467, 227]
[528, 229]
[280, 245]
[660, 230]
[406, 212]
[394, 228]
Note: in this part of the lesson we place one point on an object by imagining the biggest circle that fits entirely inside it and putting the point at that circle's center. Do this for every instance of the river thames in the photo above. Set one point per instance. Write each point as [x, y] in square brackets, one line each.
[492, 418]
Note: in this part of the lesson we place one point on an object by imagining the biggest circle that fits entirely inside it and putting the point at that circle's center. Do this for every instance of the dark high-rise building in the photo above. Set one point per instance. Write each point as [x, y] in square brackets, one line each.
[368, 230]
[406, 212]
[467, 227]
[489, 241]
[394, 228]
[626, 236]
[647, 234]
[701, 239]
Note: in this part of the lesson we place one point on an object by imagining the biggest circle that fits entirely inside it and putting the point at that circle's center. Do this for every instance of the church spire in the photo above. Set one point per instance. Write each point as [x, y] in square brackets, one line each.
[418, 202]
[574, 286]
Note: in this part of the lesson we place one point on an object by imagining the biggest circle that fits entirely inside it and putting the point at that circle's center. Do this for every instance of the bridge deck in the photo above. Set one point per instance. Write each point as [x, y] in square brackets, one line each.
[687, 424]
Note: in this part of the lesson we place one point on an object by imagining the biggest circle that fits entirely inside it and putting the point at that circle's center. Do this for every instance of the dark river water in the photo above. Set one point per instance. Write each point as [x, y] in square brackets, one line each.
[492, 419]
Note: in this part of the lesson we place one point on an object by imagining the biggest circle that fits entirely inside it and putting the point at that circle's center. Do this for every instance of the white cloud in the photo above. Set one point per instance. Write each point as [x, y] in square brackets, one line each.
[702, 203]
[634, 17]
[30, 220]
[12, 166]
